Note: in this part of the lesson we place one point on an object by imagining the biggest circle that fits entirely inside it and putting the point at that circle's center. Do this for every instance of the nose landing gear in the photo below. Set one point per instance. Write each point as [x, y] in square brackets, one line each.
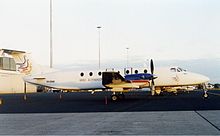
[205, 91]
[205, 94]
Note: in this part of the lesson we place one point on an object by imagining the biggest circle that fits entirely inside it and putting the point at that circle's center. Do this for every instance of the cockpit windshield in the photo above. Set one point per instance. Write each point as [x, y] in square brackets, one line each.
[180, 69]
[177, 69]
[173, 69]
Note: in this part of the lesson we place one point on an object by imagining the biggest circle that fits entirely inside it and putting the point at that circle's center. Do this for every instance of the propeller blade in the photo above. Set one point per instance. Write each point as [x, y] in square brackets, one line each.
[152, 80]
[152, 66]
[152, 70]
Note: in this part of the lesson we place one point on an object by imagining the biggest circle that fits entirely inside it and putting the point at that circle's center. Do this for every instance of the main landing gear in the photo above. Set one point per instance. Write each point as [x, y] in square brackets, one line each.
[116, 97]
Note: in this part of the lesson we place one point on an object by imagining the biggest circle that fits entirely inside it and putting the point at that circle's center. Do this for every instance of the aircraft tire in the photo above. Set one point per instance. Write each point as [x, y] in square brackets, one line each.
[114, 97]
[157, 92]
[205, 96]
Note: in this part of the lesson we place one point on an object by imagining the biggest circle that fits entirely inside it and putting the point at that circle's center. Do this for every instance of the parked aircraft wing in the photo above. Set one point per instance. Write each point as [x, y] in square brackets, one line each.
[115, 80]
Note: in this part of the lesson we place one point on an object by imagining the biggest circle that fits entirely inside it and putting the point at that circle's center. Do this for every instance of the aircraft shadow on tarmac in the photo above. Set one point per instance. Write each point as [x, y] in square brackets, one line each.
[85, 102]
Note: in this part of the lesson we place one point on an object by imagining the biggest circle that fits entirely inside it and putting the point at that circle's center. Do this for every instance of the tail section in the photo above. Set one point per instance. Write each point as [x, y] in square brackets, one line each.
[30, 67]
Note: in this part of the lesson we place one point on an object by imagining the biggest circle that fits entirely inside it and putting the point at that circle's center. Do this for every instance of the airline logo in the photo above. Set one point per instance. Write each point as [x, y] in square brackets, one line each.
[25, 67]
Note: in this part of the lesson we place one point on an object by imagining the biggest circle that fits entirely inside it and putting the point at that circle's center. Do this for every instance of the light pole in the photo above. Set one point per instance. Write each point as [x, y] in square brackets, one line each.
[127, 55]
[99, 27]
[51, 35]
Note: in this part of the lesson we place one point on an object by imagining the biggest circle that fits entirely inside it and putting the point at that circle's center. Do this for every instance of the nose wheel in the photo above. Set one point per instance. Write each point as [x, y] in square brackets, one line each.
[205, 94]
[205, 91]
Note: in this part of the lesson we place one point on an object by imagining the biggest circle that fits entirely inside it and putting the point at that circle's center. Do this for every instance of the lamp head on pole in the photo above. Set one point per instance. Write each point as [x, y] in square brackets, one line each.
[99, 27]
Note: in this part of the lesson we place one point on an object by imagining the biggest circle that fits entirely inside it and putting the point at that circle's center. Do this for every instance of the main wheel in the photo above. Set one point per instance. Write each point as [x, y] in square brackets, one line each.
[158, 92]
[114, 97]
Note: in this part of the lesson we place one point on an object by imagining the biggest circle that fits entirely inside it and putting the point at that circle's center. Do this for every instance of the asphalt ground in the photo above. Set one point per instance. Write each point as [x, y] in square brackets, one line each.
[82, 113]
[86, 102]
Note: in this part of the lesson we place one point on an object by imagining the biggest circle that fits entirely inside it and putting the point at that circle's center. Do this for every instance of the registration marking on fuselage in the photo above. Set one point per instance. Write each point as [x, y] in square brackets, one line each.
[90, 79]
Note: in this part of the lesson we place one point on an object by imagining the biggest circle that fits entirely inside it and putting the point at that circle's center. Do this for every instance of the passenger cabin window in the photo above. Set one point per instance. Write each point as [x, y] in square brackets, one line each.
[136, 71]
[145, 71]
[82, 74]
[127, 71]
[100, 73]
[173, 69]
[90, 73]
[7, 64]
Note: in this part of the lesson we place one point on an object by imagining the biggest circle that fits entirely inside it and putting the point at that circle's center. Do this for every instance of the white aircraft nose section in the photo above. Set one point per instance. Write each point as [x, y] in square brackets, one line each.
[205, 79]
[202, 79]
[195, 79]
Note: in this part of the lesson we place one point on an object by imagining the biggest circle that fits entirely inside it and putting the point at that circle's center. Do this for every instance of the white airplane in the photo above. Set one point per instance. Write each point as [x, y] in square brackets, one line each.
[133, 78]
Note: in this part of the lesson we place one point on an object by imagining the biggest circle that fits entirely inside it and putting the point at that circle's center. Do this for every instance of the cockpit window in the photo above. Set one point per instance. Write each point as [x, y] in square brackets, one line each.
[177, 69]
[173, 69]
[180, 70]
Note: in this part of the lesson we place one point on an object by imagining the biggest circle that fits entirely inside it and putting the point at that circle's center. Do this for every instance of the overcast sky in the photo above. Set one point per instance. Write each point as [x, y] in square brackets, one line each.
[159, 29]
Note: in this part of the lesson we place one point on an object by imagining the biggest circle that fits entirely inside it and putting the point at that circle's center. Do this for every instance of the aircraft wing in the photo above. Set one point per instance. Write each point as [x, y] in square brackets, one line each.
[115, 81]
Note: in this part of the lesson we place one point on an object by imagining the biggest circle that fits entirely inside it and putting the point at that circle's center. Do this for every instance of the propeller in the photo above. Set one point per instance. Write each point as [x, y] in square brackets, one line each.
[152, 66]
[152, 72]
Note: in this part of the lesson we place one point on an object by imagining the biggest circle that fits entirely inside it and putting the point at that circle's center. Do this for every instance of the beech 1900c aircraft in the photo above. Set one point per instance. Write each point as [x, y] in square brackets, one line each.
[119, 81]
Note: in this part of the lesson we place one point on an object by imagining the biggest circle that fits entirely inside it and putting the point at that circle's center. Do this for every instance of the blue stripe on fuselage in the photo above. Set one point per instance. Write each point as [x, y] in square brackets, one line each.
[140, 76]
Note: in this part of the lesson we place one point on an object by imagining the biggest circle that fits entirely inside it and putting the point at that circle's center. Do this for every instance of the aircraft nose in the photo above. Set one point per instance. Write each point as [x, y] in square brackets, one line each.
[204, 79]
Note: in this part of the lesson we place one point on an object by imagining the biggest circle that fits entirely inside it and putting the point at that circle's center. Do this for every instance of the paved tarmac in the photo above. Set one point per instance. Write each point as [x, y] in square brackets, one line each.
[83, 113]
